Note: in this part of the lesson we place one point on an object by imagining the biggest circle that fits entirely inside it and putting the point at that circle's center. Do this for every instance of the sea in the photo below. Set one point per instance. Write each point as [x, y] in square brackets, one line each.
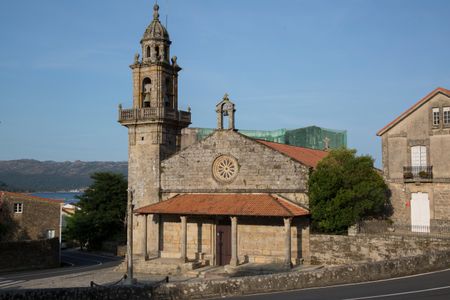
[68, 197]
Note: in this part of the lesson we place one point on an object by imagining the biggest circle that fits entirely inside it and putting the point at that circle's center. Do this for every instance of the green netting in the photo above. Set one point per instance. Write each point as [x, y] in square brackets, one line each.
[310, 137]
[314, 137]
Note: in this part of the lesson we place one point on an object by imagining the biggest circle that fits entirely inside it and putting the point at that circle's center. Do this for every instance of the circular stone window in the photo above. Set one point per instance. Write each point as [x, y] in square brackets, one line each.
[225, 168]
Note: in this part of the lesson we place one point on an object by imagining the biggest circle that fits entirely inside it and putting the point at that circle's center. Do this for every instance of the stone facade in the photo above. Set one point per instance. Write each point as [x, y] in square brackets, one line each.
[154, 122]
[29, 218]
[260, 168]
[415, 158]
[226, 162]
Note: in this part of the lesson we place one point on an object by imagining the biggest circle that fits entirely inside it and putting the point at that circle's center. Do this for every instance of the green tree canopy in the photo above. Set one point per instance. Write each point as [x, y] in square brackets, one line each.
[345, 189]
[102, 211]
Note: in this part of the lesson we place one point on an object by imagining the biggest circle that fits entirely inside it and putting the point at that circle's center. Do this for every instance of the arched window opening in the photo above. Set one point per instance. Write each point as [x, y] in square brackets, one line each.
[148, 51]
[146, 92]
[157, 52]
[167, 88]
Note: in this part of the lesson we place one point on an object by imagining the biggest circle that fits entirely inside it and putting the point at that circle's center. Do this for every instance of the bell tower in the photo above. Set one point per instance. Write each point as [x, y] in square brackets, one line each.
[154, 124]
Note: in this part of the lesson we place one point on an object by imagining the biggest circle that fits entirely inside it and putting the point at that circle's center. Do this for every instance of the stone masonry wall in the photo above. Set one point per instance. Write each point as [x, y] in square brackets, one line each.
[202, 289]
[27, 255]
[297, 280]
[38, 216]
[197, 230]
[438, 195]
[339, 249]
[254, 244]
[261, 169]
[417, 129]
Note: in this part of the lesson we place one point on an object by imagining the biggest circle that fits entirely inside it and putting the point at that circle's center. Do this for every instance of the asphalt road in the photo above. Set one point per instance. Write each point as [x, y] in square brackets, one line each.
[77, 261]
[434, 285]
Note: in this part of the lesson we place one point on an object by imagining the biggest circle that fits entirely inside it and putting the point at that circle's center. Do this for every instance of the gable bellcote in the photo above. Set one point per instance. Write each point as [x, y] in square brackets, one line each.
[225, 108]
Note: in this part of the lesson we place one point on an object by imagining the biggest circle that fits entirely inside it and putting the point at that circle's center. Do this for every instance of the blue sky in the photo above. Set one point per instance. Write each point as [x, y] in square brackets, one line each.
[349, 64]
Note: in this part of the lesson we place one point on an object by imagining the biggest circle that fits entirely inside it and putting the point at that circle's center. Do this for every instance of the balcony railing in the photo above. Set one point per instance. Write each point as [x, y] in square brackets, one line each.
[152, 113]
[418, 173]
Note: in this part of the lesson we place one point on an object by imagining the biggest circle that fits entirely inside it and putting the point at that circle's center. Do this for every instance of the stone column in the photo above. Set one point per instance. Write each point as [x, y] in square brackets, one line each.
[287, 241]
[183, 255]
[157, 221]
[219, 118]
[231, 119]
[144, 238]
[234, 250]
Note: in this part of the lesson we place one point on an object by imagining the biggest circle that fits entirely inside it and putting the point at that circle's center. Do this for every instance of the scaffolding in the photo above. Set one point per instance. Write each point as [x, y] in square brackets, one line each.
[313, 137]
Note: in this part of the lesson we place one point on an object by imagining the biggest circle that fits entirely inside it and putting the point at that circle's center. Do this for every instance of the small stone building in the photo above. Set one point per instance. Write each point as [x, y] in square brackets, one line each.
[227, 199]
[416, 163]
[26, 217]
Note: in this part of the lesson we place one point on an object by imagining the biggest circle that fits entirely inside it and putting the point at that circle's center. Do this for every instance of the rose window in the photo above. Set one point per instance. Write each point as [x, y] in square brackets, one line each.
[225, 168]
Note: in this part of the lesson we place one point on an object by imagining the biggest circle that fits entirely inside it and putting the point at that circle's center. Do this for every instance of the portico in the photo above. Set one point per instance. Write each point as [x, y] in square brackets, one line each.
[229, 229]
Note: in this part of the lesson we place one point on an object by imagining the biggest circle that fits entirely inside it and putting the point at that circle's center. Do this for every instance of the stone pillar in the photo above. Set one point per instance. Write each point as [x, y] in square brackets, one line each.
[129, 279]
[234, 249]
[144, 238]
[157, 221]
[183, 255]
[231, 119]
[287, 241]
[219, 118]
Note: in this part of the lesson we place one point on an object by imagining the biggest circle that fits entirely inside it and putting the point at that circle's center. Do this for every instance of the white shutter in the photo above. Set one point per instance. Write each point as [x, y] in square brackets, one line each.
[418, 156]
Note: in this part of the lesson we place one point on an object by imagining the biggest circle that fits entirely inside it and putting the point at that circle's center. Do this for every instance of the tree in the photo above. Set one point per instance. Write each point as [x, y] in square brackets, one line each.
[345, 189]
[102, 211]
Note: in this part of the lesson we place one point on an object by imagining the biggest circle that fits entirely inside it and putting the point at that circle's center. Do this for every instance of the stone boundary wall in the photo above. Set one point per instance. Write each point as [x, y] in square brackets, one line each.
[249, 285]
[27, 255]
[341, 249]
[111, 293]
[297, 280]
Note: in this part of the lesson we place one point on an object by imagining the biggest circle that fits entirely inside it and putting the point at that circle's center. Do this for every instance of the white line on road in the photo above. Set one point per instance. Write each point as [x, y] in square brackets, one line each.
[343, 284]
[402, 293]
[10, 282]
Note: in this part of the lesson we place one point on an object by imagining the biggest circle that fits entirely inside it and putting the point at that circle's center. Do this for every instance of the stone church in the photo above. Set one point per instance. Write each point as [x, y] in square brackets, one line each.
[225, 200]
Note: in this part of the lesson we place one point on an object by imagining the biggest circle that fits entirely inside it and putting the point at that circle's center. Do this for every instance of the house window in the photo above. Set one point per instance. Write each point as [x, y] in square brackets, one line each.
[18, 208]
[50, 233]
[446, 116]
[436, 116]
[418, 156]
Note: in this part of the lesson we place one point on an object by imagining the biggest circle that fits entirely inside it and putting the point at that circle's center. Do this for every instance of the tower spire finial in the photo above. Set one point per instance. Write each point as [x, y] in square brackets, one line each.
[155, 11]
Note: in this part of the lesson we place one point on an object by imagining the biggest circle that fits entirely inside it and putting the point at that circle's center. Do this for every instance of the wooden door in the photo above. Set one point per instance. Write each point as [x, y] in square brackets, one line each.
[223, 244]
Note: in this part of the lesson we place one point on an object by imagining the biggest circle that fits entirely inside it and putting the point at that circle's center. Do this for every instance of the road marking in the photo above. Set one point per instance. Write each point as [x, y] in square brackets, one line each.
[63, 271]
[6, 283]
[402, 293]
[340, 285]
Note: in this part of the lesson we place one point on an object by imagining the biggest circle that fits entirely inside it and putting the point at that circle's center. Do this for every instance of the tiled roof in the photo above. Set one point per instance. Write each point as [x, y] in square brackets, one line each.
[306, 156]
[226, 204]
[413, 108]
[20, 196]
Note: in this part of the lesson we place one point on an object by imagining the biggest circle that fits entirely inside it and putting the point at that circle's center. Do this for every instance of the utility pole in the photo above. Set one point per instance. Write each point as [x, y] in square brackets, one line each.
[129, 279]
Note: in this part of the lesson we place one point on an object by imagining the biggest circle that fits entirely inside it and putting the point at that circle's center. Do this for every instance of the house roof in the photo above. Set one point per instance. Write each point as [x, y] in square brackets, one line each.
[413, 108]
[20, 196]
[306, 156]
[266, 205]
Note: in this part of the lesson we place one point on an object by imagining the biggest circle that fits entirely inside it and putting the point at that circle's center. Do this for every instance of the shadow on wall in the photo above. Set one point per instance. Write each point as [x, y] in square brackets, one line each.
[10, 230]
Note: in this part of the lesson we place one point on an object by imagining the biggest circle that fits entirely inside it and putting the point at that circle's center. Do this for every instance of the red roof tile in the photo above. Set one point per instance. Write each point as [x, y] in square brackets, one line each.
[28, 197]
[413, 108]
[306, 156]
[226, 204]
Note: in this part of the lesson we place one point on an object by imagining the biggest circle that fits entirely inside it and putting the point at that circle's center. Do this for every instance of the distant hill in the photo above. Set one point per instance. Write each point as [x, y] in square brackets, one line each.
[50, 176]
